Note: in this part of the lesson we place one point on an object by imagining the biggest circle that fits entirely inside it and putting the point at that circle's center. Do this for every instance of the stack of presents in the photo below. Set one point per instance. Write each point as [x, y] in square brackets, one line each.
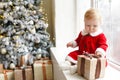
[91, 67]
[40, 70]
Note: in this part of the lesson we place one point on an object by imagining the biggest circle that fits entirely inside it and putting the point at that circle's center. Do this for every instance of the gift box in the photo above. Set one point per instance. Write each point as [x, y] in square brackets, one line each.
[91, 67]
[1, 68]
[43, 70]
[23, 60]
[23, 74]
[7, 75]
[3, 77]
[28, 73]
[10, 74]
[18, 74]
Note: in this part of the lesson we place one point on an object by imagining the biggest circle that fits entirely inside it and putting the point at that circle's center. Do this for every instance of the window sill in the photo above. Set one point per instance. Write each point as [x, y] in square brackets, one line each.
[58, 55]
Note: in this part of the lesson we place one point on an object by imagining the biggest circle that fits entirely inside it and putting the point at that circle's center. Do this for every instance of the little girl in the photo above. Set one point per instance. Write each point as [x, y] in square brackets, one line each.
[91, 40]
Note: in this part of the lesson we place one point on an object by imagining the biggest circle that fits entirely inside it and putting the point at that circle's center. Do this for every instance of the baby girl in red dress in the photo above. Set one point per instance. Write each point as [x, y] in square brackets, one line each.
[91, 40]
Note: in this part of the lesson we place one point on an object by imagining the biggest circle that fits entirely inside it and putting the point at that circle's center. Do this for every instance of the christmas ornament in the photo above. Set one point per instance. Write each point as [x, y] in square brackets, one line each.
[3, 50]
[12, 66]
[38, 56]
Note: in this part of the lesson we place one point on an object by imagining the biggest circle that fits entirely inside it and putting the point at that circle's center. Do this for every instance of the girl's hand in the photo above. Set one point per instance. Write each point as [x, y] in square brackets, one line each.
[70, 44]
[98, 54]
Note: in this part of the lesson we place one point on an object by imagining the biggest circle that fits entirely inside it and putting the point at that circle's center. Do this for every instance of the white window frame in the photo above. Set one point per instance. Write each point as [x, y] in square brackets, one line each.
[65, 21]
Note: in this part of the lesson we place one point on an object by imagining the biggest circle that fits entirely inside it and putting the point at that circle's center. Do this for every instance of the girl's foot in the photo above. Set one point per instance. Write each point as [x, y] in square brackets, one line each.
[65, 65]
[73, 69]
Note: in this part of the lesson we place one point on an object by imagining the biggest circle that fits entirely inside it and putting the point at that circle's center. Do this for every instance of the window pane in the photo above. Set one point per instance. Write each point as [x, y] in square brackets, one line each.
[110, 10]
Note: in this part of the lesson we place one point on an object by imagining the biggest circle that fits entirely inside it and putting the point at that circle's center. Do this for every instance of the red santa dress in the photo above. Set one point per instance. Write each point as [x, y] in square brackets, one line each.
[88, 43]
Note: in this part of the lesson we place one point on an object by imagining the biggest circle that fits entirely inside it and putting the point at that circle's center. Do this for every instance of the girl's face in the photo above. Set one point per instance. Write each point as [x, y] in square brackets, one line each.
[92, 25]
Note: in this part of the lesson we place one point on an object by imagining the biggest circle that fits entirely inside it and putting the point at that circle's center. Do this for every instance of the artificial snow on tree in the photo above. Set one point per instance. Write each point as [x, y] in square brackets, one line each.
[22, 33]
[34, 2]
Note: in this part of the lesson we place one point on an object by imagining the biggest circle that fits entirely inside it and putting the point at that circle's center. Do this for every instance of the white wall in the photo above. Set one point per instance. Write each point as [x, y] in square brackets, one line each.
[82, 6]
[68, 21]
[65, 21]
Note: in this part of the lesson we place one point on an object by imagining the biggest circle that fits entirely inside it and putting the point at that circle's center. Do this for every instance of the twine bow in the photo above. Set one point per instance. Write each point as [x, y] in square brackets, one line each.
[91, 55]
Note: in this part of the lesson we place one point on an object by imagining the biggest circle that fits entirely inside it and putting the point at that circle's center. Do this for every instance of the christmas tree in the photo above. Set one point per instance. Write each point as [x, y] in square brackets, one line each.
[23, 32]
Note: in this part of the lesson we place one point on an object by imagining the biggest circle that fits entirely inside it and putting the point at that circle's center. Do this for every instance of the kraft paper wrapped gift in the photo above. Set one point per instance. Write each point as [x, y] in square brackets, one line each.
[1, 68]
[7, 75]
[23, 74]
[91, 68]
[3, 77]
[22, 60]
[10, 74]
[18, 75]
[43, 70]
[28, 73]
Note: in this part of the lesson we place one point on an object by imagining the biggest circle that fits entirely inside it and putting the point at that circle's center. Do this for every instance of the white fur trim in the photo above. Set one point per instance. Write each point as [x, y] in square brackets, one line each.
[70, 59]
[96, 33]
[74, 44]
[101, 50]
[84, 32]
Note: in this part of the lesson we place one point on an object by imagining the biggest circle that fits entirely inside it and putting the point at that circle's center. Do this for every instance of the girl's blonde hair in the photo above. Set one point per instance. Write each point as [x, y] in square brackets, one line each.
[92, 14]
